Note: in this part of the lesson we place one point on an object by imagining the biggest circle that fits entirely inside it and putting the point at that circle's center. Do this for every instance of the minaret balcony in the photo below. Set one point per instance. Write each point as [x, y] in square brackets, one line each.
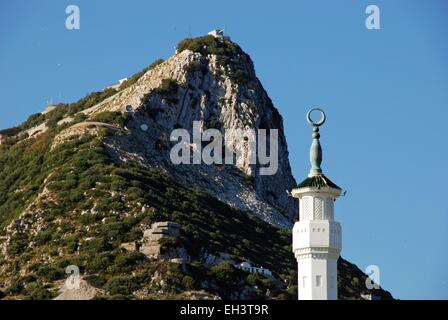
[317, 234]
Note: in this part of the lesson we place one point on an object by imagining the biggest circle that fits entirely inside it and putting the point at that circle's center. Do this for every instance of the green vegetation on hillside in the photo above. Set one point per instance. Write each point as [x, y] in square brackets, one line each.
[228, 55]
[63, 110]
[167, 87]
[210, 45]
[88, 189]
[21, 174]
[195, 66]
[167, 90]
[114, 118]
[89, 101]
[93, 205]
[135, 77]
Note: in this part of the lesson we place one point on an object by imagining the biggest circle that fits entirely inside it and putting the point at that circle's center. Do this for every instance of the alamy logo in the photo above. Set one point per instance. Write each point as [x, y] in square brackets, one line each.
[235, 147]
[373, 18]
[73, 21]
[373, 277]
[73, 280]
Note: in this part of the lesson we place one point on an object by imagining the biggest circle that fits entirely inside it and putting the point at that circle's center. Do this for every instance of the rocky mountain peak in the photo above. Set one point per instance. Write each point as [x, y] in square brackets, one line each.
[210, 81]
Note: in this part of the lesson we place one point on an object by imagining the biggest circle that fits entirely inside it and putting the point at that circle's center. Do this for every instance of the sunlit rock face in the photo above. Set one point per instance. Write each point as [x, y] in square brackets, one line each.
[224, 94]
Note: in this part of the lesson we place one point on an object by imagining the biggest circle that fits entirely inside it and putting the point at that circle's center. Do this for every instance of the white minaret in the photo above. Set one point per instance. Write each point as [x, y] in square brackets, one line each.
[317, 238]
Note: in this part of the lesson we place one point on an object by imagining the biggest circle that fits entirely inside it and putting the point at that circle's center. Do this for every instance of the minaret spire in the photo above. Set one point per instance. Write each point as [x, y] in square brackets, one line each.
[316, 149]
[317, 237]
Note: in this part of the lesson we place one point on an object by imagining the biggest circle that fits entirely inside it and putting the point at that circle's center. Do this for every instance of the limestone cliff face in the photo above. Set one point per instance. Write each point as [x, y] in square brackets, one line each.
[196, 86]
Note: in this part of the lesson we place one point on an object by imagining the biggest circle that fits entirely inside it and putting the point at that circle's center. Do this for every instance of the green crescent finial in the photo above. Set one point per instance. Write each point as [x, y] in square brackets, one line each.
[315, 150]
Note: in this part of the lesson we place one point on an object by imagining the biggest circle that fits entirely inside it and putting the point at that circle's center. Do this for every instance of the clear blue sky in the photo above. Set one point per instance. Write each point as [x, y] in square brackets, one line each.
[385, 93]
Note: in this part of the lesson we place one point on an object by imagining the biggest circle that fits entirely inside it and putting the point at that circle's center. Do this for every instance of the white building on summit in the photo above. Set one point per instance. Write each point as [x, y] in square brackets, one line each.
[218, 33]
[317, 238]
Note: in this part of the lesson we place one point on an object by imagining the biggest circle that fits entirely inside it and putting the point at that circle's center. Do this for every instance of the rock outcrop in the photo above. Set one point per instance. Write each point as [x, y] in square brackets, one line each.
[204, 90]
